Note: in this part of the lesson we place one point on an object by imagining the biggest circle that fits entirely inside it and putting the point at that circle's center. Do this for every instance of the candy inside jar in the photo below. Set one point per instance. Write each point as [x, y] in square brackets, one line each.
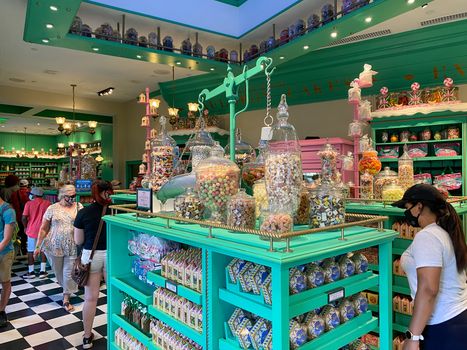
[275, 220]
[244, 153]
[189, 206]
[392, 192]
[302, 214]
[327, 206]
[405, 170]
[254, 171]
[261, 197]
[356, 128]
[370, 162]
[241, 210]
[386, 177]
[366, 185]
[217, 179]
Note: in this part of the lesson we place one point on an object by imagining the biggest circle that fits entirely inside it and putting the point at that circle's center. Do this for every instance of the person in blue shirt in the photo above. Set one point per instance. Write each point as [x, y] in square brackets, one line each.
[7, 255]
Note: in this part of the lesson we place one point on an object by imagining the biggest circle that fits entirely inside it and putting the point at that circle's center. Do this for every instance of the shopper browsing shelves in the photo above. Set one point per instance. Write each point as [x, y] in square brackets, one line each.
[435, 264]
[56, 240]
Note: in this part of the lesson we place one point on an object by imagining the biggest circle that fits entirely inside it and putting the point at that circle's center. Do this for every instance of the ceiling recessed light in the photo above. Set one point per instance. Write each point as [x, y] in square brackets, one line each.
[178, 62]
[410, 2]
[95, 49]
[306, 47]
[49, 26]
[424, 6]
[281, 57]
[211, 68]
[368, 19]
[38, 124]
[45, 41]
[334, 35]
[53, 8]
[138, 56]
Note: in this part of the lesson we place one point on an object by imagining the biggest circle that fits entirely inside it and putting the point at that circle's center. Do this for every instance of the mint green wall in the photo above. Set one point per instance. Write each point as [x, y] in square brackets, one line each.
[81, 137]
[17, 140]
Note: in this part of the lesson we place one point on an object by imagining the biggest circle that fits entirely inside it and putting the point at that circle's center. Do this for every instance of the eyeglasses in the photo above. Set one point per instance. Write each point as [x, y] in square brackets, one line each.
[71, 197]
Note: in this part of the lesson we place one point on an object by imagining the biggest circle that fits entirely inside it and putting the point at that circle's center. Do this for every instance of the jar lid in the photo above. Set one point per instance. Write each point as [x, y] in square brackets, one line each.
[387, 172]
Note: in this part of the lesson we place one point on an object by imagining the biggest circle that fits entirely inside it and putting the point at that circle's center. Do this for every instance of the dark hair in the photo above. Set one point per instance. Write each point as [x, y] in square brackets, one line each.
[11, 180]
[98, 187]
[449, 220]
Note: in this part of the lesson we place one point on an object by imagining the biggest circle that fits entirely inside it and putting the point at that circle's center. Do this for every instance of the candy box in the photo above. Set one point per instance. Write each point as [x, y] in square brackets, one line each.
[449, 149]
[314, 324]
[297, 334]
[235, 320]
[372, 298]
[314, 275]
[267, 344]
[297, 281]
[388, 151]
[418, 150]
[449, 181]
[243, 333]
[266, 288]
[424, 178]
[258, 276]
[234, 268]
[245, 277]
[259, 332]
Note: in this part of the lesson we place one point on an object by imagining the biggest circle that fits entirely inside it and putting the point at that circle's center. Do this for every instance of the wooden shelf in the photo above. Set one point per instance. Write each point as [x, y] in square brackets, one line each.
[415, 142]
[423, 159]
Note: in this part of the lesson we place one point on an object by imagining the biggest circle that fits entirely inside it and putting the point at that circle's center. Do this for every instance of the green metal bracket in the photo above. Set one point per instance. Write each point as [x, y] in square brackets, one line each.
[230, 86]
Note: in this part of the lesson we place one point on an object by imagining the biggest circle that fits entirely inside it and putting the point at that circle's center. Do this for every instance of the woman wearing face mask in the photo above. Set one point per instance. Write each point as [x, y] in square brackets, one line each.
[435, 264]
[86, 227]
[56, 240]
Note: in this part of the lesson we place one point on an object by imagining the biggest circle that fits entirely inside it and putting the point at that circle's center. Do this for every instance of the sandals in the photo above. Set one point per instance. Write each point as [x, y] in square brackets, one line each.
[68, 307]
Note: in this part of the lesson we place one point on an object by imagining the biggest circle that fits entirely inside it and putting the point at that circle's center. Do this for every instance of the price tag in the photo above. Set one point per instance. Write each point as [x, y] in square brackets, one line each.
[336, 295]
[144, 199]
[266, 133]
[171, 286]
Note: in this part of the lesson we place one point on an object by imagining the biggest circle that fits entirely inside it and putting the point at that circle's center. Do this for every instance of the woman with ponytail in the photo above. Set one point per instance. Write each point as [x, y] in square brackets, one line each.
[87, 225]
[435, 264]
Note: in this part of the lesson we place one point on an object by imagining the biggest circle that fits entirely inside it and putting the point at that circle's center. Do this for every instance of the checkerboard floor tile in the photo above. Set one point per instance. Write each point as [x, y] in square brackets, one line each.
[38, 320]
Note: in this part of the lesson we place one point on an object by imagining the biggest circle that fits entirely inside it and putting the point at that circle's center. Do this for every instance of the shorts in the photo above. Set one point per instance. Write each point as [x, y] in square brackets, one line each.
[6, 261]
[31, 244]
[99, 260]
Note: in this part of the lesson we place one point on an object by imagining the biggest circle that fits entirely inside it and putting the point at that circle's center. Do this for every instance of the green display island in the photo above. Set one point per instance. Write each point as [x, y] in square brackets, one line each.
[400, 284]
[219, 296]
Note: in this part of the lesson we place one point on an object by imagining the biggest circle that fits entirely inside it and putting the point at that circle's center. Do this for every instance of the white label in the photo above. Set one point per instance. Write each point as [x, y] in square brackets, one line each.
[171, 286]
[336, 295]
[266, 133]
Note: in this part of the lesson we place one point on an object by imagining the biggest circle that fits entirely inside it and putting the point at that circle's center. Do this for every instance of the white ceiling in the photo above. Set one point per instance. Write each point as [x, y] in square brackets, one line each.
[51, 69]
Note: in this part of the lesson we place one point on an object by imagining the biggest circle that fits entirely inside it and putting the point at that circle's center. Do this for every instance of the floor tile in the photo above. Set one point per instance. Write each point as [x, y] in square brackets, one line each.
[26, 321]
[102, 330]
[8, 335]
[20, 287]
[17, 281]
[34, 328]
[63, 320]
[47, 287]
[16, 307]
[46, 307]
[69, 329]
[60, 343]
[16, 344]
[32, 296]
[19, 314]
[48, 315]
[39, 301]
[100, 320]
[53, 291]
[39, 338]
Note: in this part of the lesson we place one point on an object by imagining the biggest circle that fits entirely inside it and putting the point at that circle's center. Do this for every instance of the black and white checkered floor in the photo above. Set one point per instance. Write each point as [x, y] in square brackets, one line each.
[38, 321]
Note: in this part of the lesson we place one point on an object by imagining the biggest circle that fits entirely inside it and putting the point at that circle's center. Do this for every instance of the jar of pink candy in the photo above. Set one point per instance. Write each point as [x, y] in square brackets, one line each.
[217, 178]
[275, 220]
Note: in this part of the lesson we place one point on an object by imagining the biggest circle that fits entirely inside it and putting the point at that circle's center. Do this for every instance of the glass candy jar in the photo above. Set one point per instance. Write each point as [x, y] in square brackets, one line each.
[283, 167]
[302, 215]
[244, 153]
[241, 210]
[199, 145]
[405, 170]
[275, 220]
[366, 185]
[254, 171]
[197, 48]
[164, 157]
[327, 206]
[384, 178]
[217, 178]
[392, 192]
[369, 162]
[328, 155]
[261, 197]
[189, 206]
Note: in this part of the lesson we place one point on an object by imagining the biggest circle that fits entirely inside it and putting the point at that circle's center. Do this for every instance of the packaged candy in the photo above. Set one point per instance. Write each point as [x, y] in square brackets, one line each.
[346, 310]
[245, 277]
[354, 93]
[404, 136]
[331, 317]
[358, 345]
[366, 76]
[446, 149]
[346, 266]
[297, 281]
[297, 333]
[315, 325]
[259, 275]
[243, 333]
[418, 150]
[259, 332]
[331, 270]
[234, 267]
[356, 128]
[359, 303]
[235, 320]
[267, 344]
[360, 261]
[453, 132]
[267, 290]
[314, 275]
[449, 181]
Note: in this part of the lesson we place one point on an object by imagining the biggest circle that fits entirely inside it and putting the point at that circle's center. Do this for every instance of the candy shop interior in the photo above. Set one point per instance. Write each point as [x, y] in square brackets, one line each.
[255, 148]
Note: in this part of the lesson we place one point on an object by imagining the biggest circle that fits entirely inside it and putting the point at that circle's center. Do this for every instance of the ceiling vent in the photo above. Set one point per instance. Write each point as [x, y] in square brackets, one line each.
[360, 37]
[444, 19]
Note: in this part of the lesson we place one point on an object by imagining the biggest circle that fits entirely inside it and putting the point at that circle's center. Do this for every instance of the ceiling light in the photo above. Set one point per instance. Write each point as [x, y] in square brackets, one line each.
[49, 26]
[138, 56]
[106, 92]
[95, 49]
[211, 69]
[281, 57]
[424, 6]
[178, 62]
[306, 47]
[368, 19]
[53, 8]
[334, 35]
[45, 41]
[38, 124]
[99, 158]
[410, 2]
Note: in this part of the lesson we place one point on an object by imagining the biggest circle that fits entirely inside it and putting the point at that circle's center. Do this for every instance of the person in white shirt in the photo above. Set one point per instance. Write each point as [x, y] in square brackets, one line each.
[435, 264]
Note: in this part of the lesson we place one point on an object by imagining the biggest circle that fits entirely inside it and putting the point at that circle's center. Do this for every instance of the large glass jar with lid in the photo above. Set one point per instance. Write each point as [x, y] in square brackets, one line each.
[261, 197]
[327, 206]
[244, 153]
[405, 170]
[217, 178]
[164, 157]
[385, 177]
[392, 192]
[188, 205]
[254, 171]
[369, 162]
[199, 145]
[241, 210]
[283, 166]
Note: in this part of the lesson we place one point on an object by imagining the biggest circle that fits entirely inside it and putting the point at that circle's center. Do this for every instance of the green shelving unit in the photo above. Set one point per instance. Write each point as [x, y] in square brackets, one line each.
[219, 297]
[37, 169]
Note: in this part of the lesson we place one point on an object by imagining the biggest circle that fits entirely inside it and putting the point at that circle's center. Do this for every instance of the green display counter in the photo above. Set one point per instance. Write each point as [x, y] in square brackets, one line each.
[123, 198]
[220, 297]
